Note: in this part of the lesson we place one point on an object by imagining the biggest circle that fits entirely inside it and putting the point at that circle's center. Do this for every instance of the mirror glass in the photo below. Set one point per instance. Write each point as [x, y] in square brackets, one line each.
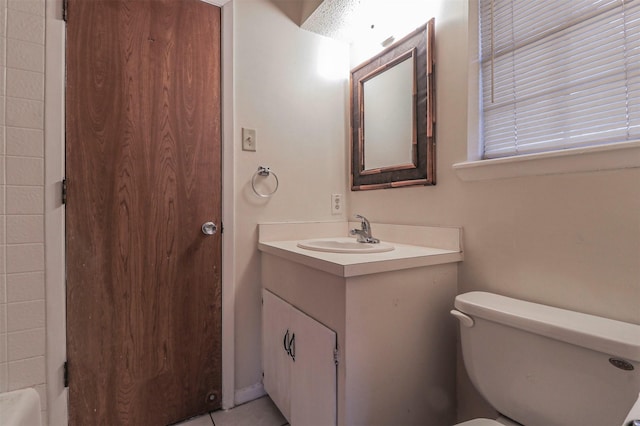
[388, 116]
[392, 115]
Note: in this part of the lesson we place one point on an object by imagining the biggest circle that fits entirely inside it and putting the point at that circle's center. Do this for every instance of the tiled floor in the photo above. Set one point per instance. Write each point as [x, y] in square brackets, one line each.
[261, 412]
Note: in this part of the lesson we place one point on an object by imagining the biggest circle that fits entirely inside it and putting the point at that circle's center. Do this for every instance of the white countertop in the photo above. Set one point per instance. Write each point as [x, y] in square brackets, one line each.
[404, 256]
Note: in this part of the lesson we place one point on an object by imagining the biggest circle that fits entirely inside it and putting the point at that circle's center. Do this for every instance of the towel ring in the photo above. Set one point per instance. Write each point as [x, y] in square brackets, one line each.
[265, 172]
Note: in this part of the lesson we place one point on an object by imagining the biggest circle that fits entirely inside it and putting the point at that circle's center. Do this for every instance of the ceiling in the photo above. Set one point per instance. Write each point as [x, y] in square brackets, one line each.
[355, 20]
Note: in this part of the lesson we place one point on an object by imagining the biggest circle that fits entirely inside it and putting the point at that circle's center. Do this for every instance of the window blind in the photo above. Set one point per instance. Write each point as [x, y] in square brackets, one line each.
[558, 74]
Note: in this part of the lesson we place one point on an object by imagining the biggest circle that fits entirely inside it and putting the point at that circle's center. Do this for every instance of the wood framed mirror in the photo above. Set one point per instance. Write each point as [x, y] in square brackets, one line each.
[393, 115]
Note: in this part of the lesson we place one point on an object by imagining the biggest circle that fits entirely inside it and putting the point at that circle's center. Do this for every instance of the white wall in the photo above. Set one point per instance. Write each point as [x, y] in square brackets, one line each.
[300, 118]
[571, 240]
[22, 291]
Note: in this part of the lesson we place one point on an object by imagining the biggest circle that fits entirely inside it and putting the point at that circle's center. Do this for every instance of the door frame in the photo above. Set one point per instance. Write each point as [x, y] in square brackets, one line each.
[55, 269]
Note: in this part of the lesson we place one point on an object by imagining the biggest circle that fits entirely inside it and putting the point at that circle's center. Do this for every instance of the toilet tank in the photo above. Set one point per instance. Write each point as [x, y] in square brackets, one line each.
[540, 365]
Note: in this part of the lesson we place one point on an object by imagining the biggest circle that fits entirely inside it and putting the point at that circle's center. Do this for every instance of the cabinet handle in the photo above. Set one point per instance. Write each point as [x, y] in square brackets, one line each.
[292, 347]
[285, 343]
[290, 344]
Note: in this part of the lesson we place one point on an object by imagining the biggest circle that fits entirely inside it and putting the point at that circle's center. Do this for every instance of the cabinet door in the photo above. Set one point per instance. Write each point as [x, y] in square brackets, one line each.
[276, 320]
[313, 379]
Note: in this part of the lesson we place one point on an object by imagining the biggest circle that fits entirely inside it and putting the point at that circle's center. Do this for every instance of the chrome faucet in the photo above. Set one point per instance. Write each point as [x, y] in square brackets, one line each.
[364, 234]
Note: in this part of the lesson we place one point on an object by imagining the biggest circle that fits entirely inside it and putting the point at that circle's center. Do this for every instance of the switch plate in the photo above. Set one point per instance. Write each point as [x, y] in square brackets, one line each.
[248, 139]
[337, 204]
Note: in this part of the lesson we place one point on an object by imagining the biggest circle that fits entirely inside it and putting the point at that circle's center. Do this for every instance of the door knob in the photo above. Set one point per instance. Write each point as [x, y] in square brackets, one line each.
[209, 228]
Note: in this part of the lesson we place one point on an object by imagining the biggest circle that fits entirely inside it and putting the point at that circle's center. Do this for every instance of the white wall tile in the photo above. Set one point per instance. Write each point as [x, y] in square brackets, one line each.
[2, 199]
[4, 298]
[24, 200]
[22, 308]
[24, 84]
[2, 110]
[24, 113]
[3, 317]
[4, 377]
[25, 229]
[25, 26]
[3, 239]
[34, 7]
[3, 263]
[25, 142]
[26, 373]
[24, 171]
[3, 347]
[25, 315]
[25, 258]
[2, 138]
[3, 20]
[25, 344]
[25, 22]
[25, 55]
[3, 50]
[25, 287]
[3, 72]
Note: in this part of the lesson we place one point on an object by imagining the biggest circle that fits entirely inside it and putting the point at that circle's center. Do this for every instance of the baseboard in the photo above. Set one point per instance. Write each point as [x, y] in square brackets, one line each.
[249, 393]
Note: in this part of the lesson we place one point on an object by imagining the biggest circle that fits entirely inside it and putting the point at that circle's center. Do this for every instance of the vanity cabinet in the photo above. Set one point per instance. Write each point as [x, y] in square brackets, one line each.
[396, 340]
[299, 363]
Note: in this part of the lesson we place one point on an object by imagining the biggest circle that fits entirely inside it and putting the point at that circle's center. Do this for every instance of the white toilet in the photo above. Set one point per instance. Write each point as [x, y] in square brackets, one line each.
[539, 365]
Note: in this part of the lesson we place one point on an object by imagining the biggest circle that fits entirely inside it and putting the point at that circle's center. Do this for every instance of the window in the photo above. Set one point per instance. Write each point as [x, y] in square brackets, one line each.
[558, 74]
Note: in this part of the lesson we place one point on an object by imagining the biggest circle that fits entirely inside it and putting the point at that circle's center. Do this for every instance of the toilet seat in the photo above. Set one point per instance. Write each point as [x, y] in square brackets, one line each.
[480, 422]
[500, 421]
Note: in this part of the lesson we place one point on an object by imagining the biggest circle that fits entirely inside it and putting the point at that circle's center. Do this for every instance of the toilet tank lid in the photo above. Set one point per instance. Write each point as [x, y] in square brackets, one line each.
[605, 335]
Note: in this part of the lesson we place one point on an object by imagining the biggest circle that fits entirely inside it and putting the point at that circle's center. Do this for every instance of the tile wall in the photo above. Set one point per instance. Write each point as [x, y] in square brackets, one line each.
[22, 291]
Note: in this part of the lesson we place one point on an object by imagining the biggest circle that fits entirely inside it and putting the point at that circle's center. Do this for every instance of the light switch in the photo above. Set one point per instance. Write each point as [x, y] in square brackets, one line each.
[248, 139]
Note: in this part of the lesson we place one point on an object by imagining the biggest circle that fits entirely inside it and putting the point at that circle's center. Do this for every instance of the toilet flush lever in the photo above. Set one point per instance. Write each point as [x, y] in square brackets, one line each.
[464, 319]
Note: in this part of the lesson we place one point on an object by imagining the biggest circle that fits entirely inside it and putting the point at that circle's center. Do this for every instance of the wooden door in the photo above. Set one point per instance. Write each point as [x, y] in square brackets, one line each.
[143, 175]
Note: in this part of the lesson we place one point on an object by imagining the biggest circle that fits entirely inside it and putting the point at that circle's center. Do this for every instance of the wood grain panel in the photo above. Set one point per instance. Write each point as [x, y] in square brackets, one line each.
[143, 173]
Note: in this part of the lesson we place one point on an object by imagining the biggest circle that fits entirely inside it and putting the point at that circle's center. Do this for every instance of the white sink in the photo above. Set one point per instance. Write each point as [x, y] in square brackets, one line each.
[344, 245]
